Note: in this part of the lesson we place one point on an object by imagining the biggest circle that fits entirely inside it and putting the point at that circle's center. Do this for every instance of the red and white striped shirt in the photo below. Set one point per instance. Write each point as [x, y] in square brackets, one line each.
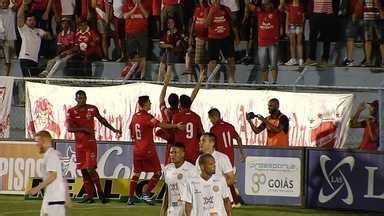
[323, 6]
[370, 11]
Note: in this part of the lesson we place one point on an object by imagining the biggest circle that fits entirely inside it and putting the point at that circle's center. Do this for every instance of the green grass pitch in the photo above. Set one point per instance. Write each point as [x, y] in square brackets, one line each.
[16, 205]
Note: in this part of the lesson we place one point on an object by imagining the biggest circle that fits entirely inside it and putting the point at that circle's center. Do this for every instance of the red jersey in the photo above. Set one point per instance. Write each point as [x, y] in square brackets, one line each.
[83, 116]
[88, 41]
[221, 23]
[171, 2]
[65, 39]
[100, 12]
[268, 24]
[295, 15]
[191, 136]
[136, 22]
[85, 8]
[367, 143]
[199, 21]
[39, 5]
[141, 128]
[167, 113]
[224, 134]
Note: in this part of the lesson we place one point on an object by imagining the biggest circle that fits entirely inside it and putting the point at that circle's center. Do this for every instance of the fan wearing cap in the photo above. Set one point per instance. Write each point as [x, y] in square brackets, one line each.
[370, 139]
[65, 42]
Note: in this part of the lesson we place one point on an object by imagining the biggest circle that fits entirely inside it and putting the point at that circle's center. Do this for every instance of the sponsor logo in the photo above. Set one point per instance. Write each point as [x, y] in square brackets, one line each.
[336, 177]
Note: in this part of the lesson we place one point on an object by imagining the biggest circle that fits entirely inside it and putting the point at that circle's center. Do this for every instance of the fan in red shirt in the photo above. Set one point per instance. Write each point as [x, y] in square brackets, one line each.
[103, 25]
[136, 30]
[87, 50]
[268, 25]
[220, 27]
[167, 113]
[190, 137]
[371, 134]
[145, 158]
[225, 133]
[65, 43]
[199, 37]
[80, 120]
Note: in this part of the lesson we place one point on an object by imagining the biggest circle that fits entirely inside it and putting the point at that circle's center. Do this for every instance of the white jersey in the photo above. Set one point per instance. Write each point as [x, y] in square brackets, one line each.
[55, 193]
[30, 42]
[176, 180]
[222, 162]
[207, 197]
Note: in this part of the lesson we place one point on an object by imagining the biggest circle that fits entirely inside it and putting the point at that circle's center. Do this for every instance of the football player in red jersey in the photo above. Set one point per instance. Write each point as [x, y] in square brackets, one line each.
[80, 120]
[145, 158]
[193, 129]
[168, 112]
[225, 133]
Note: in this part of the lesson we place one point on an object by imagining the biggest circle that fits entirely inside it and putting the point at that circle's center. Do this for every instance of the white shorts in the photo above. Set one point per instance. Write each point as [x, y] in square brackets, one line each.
[175, 210]
[295, 29]
[52, 210]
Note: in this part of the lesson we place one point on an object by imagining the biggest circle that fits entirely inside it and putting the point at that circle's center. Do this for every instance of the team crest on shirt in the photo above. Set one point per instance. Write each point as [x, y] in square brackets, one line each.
[179, 176]
[215, 188]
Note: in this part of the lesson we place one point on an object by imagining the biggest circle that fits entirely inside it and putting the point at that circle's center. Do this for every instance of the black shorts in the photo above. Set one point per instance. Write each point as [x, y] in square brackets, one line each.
[137, 44]
[225, 45]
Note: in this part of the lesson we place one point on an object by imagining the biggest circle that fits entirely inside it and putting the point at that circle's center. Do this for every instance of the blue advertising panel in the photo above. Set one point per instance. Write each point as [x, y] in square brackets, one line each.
[345, 179]
[268, 176]
[271, 176]
[115, 159]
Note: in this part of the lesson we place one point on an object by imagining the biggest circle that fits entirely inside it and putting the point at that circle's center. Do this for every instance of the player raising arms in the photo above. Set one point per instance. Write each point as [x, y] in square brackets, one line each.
[145, 158]
[176, 174]
[208, 193]
[80, 120]
[167, 113]
[193, 129]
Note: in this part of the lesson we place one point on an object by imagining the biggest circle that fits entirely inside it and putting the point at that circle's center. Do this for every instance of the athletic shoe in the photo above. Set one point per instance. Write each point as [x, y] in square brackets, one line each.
[301, 62]
[147, 199]
[237, 205]
[348, 62]
[311, 62]
[43, 74]
[291, 62]
[131, 201]
[87, 201]
[103, 199]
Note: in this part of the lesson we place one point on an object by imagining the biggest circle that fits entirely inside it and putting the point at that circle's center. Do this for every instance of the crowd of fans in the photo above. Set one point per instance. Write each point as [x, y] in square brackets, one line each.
[203, 33]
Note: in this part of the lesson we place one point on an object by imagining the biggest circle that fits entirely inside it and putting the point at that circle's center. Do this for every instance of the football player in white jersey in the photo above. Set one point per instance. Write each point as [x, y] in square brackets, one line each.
[176, 175]
[223, 165]
[56, 196]
[207, 194]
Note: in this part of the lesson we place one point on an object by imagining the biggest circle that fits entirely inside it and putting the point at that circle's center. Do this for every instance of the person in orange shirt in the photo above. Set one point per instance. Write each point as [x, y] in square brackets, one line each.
[370, 139]
[277, 125]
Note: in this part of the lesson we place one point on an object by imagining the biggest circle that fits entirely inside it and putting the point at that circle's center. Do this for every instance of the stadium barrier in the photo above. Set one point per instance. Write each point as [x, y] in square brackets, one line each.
[304, 177]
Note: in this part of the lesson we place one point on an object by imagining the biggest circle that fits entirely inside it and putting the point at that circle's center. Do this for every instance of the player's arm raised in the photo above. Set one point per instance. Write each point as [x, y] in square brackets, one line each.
[197, 87]
[163, 92]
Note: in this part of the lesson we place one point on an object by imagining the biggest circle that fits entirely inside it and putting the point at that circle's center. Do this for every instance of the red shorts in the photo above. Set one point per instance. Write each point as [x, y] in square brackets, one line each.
[150, 163]
[86, 156]
[119, 27]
